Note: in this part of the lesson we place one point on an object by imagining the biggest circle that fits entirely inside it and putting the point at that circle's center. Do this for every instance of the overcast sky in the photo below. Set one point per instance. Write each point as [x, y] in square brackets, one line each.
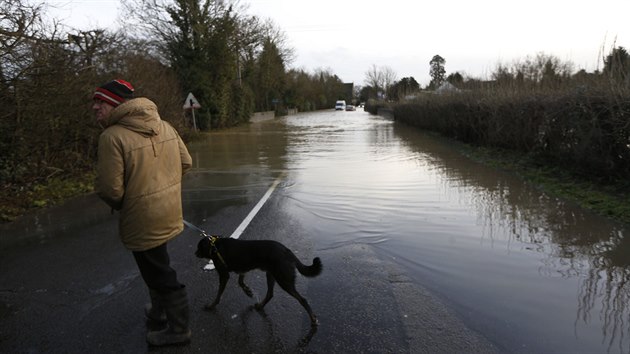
[347, 37]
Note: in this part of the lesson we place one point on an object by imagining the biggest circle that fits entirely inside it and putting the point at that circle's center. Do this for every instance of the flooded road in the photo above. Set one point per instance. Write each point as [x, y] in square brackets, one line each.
[529, 272]
[423, 251]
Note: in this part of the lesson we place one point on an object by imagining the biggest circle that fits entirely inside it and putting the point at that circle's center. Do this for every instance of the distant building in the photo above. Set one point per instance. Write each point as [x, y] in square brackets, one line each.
[348, 91]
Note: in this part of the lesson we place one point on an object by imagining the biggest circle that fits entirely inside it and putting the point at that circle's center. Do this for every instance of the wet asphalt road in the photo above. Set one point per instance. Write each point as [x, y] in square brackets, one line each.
[67, 285]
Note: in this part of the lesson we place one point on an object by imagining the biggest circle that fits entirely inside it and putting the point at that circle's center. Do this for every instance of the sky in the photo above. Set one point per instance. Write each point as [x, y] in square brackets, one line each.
[349, 37]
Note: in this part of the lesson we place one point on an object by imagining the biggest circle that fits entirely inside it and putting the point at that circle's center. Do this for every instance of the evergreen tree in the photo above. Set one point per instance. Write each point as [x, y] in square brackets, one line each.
[617, 65]
[270, 77]
[437, 71]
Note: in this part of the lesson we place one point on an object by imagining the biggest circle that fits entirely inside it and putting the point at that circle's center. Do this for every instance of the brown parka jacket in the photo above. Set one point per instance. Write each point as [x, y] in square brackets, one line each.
[141, 161]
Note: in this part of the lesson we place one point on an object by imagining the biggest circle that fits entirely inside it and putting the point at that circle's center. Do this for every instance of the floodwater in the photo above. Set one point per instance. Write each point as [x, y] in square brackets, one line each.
[528, 271]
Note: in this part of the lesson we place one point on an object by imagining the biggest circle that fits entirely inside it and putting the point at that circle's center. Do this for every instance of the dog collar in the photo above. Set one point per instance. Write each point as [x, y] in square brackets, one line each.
[211, 238]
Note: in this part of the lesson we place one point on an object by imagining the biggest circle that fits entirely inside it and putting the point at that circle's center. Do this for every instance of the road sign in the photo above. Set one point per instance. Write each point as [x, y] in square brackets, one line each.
[191, 102]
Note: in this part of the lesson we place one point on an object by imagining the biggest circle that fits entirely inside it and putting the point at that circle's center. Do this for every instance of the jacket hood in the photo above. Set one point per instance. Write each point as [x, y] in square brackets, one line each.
[139, 115]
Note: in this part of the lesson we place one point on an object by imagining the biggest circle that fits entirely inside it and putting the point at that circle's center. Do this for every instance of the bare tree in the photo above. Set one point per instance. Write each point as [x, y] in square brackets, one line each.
[374, 77]
[20, 24]
[279, 39]
[380, 78]
[534, 68]
[389, 77]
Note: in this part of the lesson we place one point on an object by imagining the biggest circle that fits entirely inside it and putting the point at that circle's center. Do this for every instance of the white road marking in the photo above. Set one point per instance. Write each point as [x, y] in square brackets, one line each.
[241, 228]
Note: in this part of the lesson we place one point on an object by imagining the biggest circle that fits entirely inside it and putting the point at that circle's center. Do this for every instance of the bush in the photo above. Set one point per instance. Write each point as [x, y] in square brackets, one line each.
[585, 129]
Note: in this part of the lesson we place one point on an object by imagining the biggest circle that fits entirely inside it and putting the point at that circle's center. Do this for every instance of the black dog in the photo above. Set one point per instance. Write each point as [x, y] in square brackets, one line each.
[241, 256]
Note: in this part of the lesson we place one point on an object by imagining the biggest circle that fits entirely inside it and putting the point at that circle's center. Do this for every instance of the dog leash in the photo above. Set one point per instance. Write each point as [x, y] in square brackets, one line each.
[210, 238]
[203, 232]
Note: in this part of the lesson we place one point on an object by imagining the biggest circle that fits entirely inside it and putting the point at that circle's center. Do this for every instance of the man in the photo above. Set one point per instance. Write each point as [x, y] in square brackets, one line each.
[141, 161]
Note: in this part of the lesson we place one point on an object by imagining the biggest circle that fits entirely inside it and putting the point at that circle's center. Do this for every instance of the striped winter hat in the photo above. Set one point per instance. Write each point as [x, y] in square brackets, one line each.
[114, 92]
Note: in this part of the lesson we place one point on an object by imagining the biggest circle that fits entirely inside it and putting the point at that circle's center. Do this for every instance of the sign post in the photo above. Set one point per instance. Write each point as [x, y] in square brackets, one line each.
[192, 104]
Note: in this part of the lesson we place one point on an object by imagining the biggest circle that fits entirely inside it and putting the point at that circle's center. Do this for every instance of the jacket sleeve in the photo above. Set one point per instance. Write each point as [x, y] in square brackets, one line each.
[110, 169]
[185, 156]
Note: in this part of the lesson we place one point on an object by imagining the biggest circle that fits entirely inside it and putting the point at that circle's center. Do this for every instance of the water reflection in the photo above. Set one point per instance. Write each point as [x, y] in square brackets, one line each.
[574, 242]
[606, 283]
[230, 167]
[43, 226]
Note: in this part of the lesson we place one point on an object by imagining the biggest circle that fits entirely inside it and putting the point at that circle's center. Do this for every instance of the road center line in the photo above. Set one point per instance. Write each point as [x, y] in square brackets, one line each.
[239, 230]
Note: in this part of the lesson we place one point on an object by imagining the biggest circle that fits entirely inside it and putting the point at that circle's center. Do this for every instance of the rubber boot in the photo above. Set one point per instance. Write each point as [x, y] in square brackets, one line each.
[154, 310]
[175, 305]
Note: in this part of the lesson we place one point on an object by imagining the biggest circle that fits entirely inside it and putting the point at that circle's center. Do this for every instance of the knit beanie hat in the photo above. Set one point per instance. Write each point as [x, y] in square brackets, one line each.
[114, 92]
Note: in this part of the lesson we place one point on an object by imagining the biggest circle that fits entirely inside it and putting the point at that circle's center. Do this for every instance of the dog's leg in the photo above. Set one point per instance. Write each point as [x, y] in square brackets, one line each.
[224, 276]
[288, 284]
[270, 284]
[246, 289]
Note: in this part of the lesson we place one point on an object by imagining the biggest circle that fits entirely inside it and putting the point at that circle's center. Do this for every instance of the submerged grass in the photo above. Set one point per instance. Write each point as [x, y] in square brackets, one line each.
[20, 198]
[17, 200]
[610, 199]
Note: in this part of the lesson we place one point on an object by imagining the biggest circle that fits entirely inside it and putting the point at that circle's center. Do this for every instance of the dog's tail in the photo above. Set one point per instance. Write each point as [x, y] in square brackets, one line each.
[312, 270]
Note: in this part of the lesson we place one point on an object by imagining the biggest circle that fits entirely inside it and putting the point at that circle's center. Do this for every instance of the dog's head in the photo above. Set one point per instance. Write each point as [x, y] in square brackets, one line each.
[204, 248]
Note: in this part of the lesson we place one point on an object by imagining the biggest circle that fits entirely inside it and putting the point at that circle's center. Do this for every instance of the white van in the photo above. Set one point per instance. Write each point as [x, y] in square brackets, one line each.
[340, 105]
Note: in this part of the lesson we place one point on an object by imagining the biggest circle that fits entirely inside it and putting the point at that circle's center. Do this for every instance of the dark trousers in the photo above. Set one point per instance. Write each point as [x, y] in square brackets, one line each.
[155, 268]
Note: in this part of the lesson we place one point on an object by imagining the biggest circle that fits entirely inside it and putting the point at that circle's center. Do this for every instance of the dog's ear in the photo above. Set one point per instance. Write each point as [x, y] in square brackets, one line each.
[203, 248]
[200, 247]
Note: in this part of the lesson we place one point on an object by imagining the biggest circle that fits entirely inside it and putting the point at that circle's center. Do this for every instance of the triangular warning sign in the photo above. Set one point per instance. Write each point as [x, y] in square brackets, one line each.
[191, 102]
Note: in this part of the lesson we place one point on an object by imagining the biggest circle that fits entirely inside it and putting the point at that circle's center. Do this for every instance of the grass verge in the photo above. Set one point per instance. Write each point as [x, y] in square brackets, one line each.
[611, 200]
[17, 200]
